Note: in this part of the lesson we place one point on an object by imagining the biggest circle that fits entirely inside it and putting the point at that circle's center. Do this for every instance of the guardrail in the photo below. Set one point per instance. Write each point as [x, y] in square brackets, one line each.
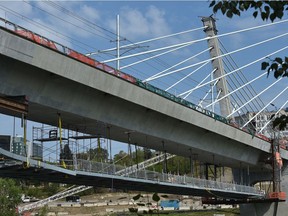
[112, 169]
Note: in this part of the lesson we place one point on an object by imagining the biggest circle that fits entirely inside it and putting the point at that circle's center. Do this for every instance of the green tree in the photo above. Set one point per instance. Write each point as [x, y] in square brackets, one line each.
[267, 10]
[66, 155]
[51, 188]
[122, 158]
[98, 154]
[176, 165]
[10, 197]
[94, 154]
[147, 153]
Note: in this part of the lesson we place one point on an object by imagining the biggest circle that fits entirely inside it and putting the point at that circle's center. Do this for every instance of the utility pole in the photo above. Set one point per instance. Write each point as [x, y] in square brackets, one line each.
[221, 86]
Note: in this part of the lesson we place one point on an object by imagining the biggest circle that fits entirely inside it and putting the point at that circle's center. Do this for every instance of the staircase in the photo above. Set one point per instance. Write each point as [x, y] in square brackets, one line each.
[73, 189]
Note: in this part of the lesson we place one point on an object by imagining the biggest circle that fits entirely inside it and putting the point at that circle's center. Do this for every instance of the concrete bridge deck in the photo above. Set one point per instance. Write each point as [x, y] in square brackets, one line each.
[90, 100]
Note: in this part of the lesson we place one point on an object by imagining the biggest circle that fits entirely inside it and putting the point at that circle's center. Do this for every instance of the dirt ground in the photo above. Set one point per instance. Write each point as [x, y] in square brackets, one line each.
[107, 204]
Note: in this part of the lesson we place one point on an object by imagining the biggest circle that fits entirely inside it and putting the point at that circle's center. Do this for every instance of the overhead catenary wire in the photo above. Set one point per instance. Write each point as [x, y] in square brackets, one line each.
[146, 41]
[46, 28]
[89, 23]
[79, 18]
[151, 57]
[195, 41]
[68, 12]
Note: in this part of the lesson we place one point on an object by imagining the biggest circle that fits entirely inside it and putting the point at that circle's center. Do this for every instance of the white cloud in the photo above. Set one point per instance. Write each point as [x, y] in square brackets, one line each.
[133, 23]
[89, 13]
[158, 24]
[68, 18]
[20, 8]
[136, 24]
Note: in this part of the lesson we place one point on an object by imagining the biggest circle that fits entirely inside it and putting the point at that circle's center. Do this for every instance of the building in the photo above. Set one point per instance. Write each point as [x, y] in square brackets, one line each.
[16, 145]
[261, 123]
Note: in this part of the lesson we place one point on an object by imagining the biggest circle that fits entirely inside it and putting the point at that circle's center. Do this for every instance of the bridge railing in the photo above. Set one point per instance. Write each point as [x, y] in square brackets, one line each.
[167, 178]
[112, 169]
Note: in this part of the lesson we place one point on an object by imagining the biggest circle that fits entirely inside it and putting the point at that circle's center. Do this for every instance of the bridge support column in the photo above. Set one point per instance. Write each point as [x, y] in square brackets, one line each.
[269, 209]
[284, 179]
[263, 209]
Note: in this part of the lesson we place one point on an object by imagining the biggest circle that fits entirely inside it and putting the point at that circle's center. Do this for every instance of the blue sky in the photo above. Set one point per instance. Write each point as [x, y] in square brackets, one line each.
[142, 20]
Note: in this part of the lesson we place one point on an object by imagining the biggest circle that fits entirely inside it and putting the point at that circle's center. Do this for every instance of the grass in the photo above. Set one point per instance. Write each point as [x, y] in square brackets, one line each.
[226, 212]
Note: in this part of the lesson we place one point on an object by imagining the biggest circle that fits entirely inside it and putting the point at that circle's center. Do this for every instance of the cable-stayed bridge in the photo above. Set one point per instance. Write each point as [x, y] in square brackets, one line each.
[94, 98]
[127, 105]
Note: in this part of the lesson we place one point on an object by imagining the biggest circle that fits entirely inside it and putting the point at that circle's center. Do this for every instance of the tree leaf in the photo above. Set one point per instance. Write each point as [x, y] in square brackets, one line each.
[264, 16]
[285, 66]
[212, 3]
[238, 13]
[280, 122]
[255, 14]
[279, 60]
[278, 73]
[272, 17]
[223, 10]
[241, 6]
[246, 5]
[264, 65]
[274, 66]
[279, 14]
[217, 7]
[229, 14]
[258, 4]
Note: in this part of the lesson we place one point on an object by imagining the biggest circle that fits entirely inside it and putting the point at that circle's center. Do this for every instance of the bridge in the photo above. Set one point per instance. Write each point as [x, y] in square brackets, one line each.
[94, 98]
